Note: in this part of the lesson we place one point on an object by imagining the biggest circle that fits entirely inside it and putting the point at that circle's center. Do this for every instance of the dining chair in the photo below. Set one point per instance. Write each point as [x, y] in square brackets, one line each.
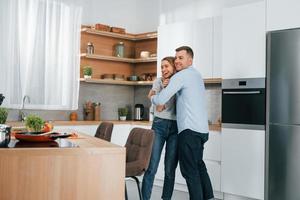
[138, 152]
[104, 131]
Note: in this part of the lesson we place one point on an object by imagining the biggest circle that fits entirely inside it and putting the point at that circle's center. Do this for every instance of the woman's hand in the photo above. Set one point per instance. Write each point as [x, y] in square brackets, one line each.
[165, 82]
[151, 93]
[160, 108]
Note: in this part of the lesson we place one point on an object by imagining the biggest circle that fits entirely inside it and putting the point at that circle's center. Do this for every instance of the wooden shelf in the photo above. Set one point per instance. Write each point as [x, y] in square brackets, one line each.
[133, 37]
[116, 82]
[118, 59]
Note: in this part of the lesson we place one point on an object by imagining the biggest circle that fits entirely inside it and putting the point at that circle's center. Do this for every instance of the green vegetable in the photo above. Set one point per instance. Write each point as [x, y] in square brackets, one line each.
[3, 115]
[34, 123]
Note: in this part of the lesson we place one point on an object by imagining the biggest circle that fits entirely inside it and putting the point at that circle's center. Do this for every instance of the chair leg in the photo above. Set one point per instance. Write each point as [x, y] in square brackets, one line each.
[138, 186]
[126, 196]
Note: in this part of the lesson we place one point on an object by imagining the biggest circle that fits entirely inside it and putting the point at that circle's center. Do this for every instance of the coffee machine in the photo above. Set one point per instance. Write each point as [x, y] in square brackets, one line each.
[138, 112]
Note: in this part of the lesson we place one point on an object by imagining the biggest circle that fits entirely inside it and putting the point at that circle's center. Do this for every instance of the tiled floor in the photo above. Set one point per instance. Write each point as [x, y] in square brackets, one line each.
[156, 192]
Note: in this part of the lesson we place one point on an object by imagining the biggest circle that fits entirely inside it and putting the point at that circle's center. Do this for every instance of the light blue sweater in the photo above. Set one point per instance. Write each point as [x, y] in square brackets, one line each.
[189, 88]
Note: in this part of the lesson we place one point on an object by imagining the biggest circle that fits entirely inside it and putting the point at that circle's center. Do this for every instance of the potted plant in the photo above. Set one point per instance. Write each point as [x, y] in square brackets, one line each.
[122, 113]
[3, 115]
[87, 71]
[34, 123]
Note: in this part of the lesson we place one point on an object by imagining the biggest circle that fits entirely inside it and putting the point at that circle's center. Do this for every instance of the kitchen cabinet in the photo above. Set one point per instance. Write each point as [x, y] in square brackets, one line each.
[87, 129]
[282, 14]
[197, 34]
[244, 41]
[104, 61]
[242, 162]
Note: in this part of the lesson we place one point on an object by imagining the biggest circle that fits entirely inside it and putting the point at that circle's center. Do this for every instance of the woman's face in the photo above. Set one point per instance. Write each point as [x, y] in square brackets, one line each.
[167, 69]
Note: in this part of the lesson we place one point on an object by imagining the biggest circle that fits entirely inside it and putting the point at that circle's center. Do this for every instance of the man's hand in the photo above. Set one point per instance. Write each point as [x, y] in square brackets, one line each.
[151, 93]
[160, 108]
[165, 82]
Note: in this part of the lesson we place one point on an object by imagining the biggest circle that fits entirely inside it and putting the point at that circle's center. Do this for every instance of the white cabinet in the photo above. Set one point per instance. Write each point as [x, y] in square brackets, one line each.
[197, 34]
[244, 41]
[282, 14]
[242, 162]
[120, 134]
[217, 47]
[87, 129]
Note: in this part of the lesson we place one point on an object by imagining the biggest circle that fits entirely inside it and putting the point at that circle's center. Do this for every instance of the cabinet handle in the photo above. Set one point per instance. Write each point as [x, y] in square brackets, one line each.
[245, 92]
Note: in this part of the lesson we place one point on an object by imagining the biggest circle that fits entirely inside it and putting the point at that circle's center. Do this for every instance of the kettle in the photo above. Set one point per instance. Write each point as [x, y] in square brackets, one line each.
[1, 98]
[138, 112]
[4, 135]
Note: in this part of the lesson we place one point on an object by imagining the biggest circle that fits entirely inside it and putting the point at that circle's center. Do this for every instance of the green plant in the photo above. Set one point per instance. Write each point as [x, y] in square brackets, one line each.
[87, 70]
[34, 123]
[123, 111]
[3, 115]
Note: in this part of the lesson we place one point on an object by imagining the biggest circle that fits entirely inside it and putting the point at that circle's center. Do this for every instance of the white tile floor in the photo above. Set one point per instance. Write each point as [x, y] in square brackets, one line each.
[133, 193]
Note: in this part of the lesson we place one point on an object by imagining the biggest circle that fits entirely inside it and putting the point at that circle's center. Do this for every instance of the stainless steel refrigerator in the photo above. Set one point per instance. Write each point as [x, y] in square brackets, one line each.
[282, 181]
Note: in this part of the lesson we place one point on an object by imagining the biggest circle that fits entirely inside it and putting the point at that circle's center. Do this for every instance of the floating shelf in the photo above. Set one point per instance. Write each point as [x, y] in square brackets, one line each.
[118, 59]
[117, 82]
[133, 37]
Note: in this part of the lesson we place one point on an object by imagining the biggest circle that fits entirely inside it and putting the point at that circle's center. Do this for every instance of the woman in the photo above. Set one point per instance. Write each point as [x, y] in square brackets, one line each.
[165, 128]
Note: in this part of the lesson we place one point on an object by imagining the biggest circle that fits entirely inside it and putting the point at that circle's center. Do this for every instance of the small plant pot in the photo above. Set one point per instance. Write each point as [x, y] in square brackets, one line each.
[122, 118]
[87, 76]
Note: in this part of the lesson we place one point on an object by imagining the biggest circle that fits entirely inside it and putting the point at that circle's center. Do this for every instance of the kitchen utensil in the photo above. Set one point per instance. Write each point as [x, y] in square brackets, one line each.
[138, 112]
[4, 135]
[133, 78]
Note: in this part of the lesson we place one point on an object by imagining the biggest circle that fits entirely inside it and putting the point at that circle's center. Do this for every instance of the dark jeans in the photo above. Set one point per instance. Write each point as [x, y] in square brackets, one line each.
[192, 166]
[165, 131]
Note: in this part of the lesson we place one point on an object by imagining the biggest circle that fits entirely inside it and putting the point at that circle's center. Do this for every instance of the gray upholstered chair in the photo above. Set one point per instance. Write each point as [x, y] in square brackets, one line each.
[138, 152]
[104, 131]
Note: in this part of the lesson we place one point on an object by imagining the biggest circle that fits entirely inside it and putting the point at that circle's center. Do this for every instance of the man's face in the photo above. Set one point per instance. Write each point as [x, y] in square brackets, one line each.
[182, 60]
[167, 69]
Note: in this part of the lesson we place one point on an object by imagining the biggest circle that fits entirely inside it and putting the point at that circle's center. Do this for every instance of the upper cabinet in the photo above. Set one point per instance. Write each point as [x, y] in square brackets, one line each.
[199, 35]
[244, 41]
[282, 14]
[107, 66]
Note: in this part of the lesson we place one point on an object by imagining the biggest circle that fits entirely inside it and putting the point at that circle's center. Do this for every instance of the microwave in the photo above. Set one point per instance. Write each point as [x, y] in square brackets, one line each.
[244, 103]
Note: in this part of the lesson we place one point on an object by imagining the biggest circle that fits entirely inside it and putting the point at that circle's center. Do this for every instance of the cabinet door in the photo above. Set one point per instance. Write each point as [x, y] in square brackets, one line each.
[282, 14]
[217, 47]
[86, 129]
[120, 134]
[242, 162]
[244, 41]
[212, 148]
[196, 34]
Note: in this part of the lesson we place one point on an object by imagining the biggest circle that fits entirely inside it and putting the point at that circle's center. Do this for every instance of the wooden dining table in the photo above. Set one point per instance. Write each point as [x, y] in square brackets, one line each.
[93, 169]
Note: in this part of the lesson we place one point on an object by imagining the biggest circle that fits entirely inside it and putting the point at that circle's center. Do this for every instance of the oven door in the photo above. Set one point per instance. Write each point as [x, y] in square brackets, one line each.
[243, 108]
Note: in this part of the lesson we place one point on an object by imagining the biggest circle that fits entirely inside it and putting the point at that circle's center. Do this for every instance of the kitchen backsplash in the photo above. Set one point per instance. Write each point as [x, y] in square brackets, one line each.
[112, 97]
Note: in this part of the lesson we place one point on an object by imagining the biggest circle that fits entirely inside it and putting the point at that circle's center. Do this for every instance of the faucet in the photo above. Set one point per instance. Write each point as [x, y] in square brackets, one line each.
[22, 115]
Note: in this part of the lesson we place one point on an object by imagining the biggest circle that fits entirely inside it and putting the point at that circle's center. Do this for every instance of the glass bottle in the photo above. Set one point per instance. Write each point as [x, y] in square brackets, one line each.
[90, 48]
[119, 49]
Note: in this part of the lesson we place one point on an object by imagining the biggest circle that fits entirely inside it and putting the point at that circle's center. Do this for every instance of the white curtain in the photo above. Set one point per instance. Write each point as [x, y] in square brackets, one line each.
[40, 53]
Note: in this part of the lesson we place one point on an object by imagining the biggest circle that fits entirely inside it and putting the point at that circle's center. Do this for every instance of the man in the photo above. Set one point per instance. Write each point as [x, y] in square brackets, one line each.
[192, 122]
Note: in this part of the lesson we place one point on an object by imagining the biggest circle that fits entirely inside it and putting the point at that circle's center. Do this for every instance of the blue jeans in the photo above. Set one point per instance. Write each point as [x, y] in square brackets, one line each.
[192, 166]
[165, 131]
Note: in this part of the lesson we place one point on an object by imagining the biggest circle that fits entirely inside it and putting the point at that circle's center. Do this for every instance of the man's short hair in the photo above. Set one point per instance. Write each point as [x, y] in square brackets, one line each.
[188, 50]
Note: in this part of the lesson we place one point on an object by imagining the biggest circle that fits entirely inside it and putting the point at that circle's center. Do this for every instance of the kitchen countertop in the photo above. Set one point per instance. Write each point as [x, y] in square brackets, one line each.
[85, 172]
[212, 127]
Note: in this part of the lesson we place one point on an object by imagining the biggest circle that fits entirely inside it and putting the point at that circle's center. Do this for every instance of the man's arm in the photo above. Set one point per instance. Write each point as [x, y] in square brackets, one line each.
[173, 87]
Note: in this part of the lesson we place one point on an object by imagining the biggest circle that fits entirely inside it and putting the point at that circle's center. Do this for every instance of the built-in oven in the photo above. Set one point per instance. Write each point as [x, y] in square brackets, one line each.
[244, 103]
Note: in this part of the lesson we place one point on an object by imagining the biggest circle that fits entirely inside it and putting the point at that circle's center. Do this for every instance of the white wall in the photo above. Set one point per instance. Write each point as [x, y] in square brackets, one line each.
[136, 16]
